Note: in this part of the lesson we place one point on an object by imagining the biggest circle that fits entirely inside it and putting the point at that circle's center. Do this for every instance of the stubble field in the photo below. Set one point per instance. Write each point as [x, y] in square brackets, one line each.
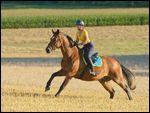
[32, 42]
[22, 86]
[23, 90]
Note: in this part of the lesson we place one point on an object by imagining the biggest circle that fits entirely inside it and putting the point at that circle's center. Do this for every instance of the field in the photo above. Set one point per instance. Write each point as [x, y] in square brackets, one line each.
[23, 90]
[23, 81]
[32, 42]
[56, 12]
[22, 87]
[37, 18]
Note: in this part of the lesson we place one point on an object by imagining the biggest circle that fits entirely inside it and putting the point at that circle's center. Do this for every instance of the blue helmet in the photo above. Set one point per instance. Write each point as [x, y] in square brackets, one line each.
[80, 22]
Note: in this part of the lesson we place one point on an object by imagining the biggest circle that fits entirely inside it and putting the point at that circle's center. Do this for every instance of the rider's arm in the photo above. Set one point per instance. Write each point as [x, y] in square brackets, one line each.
[77, 39]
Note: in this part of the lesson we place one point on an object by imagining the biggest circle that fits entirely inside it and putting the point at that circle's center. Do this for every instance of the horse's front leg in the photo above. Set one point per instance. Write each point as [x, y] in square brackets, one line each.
[58, 73]
[65, 82]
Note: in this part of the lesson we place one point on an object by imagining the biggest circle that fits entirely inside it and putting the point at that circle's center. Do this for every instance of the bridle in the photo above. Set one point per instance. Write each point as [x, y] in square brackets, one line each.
[72, 43]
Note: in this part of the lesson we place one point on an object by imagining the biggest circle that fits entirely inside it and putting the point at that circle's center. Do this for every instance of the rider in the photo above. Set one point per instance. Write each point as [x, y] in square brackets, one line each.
[88, 48]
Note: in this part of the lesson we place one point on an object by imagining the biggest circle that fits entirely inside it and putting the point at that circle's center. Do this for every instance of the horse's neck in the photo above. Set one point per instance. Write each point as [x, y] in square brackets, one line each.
[73, 55]
[67, 51]
[71, 52]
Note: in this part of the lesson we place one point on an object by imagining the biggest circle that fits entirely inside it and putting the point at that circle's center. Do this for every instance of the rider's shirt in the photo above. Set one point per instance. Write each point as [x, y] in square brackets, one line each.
[81, 36]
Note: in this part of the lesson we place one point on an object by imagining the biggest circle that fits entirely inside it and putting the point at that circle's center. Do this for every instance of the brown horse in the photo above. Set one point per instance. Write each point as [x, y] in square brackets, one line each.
[73, 66]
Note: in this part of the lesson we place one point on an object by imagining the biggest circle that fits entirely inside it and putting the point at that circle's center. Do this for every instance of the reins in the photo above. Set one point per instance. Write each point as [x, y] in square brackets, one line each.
[72, 41]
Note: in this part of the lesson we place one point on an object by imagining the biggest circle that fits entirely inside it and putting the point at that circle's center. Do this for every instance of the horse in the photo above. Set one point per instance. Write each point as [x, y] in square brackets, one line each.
[72, 66]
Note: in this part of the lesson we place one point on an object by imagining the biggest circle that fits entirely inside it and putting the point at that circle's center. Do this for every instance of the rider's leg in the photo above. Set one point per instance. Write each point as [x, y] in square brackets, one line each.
[88, 52]
[90, 66]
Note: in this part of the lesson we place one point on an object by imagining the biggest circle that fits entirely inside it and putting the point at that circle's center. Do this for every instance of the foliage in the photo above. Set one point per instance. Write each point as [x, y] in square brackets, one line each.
[69, 21]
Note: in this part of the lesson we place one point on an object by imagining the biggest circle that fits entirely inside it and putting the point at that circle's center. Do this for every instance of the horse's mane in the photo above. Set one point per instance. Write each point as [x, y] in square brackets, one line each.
[71, 41]
[69, 38]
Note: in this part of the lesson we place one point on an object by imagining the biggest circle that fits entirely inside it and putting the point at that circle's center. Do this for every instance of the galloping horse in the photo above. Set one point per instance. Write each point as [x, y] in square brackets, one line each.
[72, 65]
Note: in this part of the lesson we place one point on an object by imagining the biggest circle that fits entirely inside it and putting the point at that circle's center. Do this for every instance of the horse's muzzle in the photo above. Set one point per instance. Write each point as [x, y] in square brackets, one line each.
[48, 50]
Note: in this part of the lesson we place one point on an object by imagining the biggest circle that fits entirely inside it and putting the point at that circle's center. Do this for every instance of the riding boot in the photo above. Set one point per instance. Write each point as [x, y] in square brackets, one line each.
[90, 69]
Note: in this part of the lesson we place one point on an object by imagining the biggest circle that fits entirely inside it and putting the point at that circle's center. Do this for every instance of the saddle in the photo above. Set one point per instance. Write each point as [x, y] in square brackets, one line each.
[96, 60]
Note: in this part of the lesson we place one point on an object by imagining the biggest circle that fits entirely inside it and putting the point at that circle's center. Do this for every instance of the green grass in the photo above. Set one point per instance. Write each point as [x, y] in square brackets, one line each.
[69, 21]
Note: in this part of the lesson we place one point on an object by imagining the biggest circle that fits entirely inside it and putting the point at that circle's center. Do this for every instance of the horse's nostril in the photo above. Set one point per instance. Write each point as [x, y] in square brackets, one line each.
[47, 50]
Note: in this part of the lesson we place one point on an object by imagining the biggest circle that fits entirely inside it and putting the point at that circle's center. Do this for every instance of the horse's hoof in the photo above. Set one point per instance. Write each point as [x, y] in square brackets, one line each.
[111, 97]
[47, 88]
[56, 95]
[130, 98]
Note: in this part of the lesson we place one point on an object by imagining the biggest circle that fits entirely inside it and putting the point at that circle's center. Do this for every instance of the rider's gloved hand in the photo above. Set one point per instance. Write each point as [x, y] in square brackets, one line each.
[76, 43]
[80, 44]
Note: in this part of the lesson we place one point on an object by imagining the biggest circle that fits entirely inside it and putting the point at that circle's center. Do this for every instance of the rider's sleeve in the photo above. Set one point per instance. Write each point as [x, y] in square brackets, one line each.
[85, 33]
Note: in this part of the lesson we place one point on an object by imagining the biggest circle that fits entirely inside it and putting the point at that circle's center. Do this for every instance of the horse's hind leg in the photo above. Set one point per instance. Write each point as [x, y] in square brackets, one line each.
[121, 82]
[58, 73]
[105, 83]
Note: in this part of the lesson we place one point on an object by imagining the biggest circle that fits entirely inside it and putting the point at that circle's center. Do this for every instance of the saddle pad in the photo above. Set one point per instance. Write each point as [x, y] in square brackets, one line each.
[97, 62]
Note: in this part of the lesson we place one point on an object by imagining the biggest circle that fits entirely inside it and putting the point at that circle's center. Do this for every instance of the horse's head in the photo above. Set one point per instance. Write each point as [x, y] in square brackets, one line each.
[55, 42]
[58, 39]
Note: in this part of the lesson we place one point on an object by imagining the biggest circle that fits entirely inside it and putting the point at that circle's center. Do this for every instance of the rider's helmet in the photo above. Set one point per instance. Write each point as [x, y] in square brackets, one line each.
[80, 22]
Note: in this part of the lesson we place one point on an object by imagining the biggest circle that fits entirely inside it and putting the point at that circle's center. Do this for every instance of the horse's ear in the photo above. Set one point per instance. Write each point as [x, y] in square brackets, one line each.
[57, 31]
[53, 31]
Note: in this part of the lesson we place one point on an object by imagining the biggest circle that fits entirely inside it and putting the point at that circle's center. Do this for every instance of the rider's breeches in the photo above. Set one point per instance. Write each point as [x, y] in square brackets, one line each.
[88, 51]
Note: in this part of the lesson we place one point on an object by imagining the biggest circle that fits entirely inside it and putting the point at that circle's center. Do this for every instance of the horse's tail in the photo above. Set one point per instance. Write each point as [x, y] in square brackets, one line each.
[130, 78]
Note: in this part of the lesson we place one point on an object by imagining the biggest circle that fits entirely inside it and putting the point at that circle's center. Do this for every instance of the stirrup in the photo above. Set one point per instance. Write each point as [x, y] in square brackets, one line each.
[92, 72]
